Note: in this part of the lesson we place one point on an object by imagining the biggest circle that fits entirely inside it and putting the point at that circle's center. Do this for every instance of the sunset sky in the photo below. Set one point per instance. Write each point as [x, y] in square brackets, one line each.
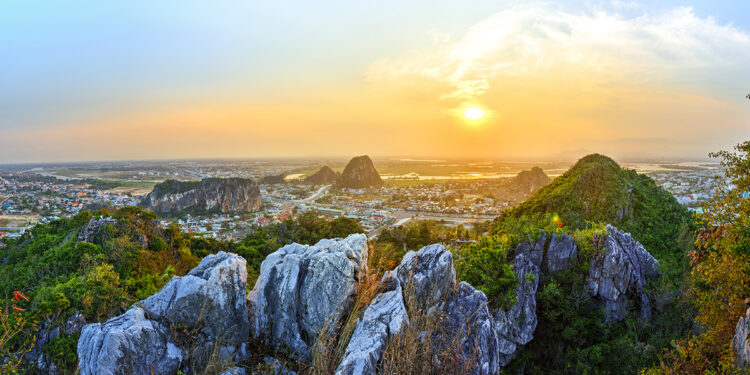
[221, 79]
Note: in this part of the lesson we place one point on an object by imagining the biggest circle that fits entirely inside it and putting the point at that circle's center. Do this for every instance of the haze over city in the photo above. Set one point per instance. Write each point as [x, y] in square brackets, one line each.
[493, 79]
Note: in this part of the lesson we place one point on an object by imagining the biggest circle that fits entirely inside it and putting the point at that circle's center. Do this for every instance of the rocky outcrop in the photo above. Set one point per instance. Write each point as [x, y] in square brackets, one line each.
[302, 289]
[425, 281]
[44, 335]
[204, 308]
[620, 274]
[359, 173]
[211, 195]
[92, 227]
[740, 341]
[273, 179]
[325, 176]
[515, 326]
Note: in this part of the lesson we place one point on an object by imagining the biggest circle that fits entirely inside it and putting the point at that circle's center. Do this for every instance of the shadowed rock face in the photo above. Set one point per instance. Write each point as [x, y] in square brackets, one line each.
[359, 173]
[209, 300]
[301, 288]
[208, 195]
[621, 273]
[325, 176]
[739, 342]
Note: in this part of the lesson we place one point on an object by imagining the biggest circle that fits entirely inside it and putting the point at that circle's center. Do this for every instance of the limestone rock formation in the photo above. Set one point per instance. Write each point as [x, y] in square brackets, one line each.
[740, 343]
[301, 288]
[621, 273]
[325, 176]
[425, 281]
[208, 302]
[359, 173]
[211, 195]
[515, 326]
[531, 180]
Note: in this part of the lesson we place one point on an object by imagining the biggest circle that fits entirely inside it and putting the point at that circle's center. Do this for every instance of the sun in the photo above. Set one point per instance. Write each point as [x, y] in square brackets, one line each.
[473, 113]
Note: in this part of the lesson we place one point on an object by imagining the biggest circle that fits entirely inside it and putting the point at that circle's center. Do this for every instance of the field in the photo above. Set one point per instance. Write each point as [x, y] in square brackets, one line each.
[17, 220]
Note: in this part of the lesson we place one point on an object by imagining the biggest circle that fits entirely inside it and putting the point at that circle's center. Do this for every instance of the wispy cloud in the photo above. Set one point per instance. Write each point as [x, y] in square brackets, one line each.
[602, 48]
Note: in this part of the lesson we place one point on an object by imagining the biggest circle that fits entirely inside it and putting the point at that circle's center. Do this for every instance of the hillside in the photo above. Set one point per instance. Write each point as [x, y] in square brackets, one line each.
[211, 195]
[324, 176]
[359, 173]
[596, 189]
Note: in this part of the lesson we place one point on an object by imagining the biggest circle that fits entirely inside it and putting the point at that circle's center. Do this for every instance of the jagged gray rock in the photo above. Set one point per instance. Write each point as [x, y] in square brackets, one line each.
[562, 252]
[234, 371]
[208, 195]
[45, 334]
[740, 343]
[209, 299]
[515, 327]
[302, 288]
[127, 344]
[621, 272]
[425, 280]
[75, 323]
[469, 320]
[385, 316]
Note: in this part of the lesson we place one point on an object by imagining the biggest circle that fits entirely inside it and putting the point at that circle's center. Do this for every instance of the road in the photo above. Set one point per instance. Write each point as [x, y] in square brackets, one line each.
[314, 196]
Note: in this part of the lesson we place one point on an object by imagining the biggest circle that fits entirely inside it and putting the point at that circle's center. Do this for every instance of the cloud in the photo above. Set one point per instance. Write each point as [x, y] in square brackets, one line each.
[599, 48]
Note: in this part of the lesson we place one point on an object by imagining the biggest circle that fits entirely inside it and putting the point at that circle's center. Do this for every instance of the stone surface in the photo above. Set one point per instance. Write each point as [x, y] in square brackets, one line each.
[515, 326]
[234, 371]
[469, 320]
[621, 273]
[75, 323]
[740, 343]
[209, 195]
[425, 280]
[127, 344]
[45, 334]
[302, 288]
[385, 316]
[209, 302]
[562, 252]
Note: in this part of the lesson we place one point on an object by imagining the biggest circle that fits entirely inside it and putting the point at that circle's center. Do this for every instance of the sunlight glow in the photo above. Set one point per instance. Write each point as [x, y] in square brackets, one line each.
[473, 113]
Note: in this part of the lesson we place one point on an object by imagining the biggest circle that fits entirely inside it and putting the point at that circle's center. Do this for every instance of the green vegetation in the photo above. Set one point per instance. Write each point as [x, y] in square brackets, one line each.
[125, 262]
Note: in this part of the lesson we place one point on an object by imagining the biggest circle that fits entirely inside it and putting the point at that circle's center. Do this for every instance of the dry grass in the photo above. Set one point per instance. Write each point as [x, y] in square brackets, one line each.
[424, 346]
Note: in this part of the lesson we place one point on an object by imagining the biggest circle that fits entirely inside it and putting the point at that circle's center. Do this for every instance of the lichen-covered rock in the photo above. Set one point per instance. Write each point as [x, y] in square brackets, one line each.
[427, 276]
[740, 343]
[621, 273]
[209, 301]
[302, 288]
[127, 344]
[385, 316]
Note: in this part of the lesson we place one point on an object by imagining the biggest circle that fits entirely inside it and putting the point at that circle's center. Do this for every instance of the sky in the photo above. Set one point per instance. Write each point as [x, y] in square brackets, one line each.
[136, 80]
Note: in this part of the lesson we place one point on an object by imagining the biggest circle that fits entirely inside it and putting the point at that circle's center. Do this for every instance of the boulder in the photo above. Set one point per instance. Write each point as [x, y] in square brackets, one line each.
[127, 344]
[177, 327]
[302, 289]
[621, 273]
[740, 343]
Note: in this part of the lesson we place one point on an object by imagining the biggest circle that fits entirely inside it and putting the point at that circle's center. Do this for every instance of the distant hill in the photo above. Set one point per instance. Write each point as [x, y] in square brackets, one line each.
[531, 180]
[359, 173]
[273, 179]
[325, 176]
[211, 195]
[596, 189]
